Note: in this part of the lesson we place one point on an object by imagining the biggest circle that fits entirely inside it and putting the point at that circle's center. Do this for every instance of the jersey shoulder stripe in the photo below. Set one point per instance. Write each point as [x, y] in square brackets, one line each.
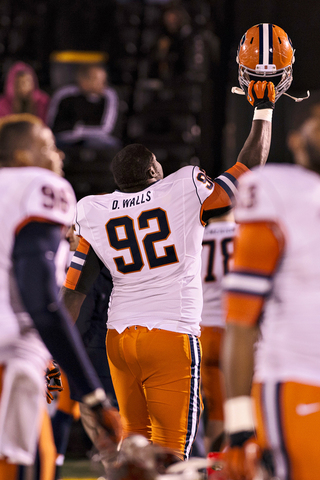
[227, 186]
[78, 260]
[248, 283]
[76, 265]
[224, 188]
[228, 180]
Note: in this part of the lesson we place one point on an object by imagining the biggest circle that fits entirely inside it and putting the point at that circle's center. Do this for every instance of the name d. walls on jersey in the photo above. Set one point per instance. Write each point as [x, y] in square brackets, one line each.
[139, 199]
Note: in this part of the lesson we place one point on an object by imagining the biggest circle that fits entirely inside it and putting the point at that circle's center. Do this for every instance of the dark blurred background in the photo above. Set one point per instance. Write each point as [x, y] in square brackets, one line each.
[179, 104]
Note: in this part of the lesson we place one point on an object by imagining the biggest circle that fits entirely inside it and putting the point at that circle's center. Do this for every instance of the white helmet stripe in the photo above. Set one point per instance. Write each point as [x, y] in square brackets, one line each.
[266, 43]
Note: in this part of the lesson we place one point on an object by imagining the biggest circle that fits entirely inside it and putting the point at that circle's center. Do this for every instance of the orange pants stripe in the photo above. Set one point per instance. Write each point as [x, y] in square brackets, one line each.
[156, 377]
[288, 422]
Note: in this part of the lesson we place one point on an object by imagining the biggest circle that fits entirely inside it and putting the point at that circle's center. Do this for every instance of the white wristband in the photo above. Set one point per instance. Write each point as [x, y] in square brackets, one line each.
[95, 397]
[263, 114]
[238, 413]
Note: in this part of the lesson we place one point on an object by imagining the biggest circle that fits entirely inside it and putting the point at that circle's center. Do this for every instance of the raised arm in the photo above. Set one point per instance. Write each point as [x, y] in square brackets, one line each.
[256, 149]
[254, 152]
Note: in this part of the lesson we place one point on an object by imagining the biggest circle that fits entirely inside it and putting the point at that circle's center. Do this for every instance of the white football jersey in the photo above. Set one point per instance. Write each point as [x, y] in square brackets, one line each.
[27, 194]
[290, 196]
[151, 243]
[217, 251]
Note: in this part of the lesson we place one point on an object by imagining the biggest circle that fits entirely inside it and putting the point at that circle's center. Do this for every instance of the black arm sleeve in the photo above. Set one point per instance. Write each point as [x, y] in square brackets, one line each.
[34, 267]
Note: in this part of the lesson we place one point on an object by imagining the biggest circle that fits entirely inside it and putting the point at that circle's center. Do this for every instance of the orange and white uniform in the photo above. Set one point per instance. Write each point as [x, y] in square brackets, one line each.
[151, 243]
[275, 281]
[217, 252]
[27, 195]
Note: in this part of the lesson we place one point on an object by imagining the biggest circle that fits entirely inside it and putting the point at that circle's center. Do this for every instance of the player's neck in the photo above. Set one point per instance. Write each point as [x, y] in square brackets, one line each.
[139, 186]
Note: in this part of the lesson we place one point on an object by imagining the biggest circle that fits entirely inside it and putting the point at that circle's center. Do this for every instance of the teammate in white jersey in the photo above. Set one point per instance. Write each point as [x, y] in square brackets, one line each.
[275, 283]
[35, 205]
[216, 256]
[149, 235]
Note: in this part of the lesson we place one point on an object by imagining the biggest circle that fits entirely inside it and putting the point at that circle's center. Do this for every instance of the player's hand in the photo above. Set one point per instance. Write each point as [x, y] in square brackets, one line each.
[53, 380]
[242, 458]
[261, 94]
[109, 419]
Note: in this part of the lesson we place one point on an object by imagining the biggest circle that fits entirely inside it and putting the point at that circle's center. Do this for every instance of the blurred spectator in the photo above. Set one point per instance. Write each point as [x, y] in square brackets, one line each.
[22, 93]
[86, 113]
[170, 54]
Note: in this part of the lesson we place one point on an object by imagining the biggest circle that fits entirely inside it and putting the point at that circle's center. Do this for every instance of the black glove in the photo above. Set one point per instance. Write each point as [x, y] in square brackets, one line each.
[261, 94]
[53, 380]
[240, 438]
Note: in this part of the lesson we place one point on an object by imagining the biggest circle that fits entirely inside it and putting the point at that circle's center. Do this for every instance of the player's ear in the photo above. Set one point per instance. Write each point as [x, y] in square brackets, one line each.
[151, 172]
[23, 158]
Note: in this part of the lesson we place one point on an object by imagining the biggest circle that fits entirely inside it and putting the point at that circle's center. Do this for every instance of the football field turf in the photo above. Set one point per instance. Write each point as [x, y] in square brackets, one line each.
[81, 470]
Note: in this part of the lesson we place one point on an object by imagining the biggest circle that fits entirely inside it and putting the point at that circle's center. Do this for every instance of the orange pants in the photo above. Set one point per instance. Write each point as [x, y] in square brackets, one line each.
[288, 422]
[211, 374]
[65, 404]
[156, 377]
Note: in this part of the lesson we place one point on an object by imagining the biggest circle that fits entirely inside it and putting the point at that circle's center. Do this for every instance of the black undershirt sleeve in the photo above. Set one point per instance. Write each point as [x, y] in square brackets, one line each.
[33, 259]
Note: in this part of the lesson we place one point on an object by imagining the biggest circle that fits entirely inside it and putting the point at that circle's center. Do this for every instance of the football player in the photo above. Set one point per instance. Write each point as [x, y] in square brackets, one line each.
[35, 206]
[273, 319]
[92, 327]
[149, 235]
[217, 251]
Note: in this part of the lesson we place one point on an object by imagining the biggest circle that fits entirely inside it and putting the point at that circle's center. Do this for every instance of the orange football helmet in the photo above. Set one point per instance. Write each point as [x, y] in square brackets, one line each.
[265, 50]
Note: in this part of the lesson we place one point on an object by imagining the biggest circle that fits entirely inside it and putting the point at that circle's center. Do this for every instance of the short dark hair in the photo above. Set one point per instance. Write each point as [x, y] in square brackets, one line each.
[131, 164]
[15, 135]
